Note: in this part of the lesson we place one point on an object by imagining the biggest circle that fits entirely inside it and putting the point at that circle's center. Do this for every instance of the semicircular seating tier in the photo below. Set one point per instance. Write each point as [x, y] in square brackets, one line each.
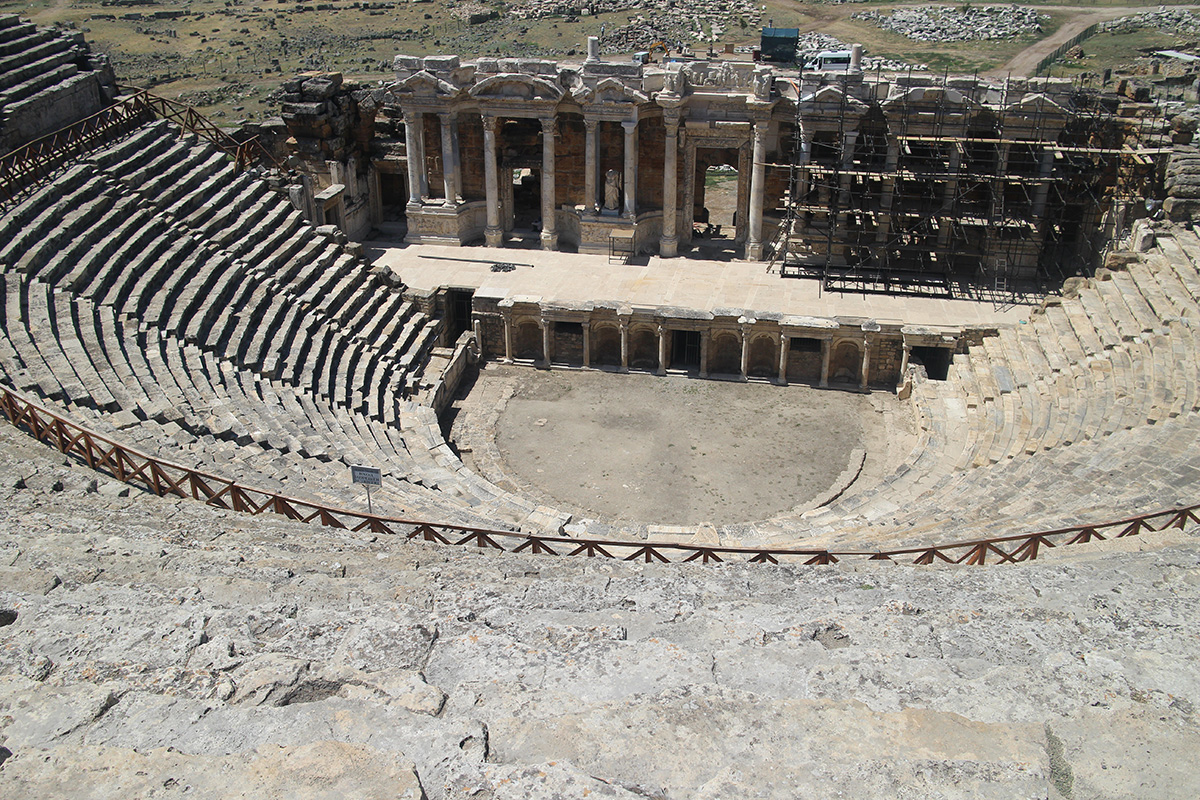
[158, 296]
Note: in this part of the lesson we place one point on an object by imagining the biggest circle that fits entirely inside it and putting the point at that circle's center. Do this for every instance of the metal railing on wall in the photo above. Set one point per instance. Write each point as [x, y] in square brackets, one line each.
[165, 478]
[25, 166]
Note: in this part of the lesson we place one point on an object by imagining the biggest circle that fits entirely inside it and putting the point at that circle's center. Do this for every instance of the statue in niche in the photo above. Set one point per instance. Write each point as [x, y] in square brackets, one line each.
[612, 190]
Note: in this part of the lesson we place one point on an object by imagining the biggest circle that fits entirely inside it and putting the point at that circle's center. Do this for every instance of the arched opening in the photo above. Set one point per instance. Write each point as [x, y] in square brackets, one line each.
[527, 341]
[846, 364]
[606, 346]
[763, 358]
[643, 349]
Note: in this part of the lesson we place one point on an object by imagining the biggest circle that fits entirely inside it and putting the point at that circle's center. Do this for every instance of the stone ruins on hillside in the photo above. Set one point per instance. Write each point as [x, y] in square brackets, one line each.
[162, 295]
[50, 79]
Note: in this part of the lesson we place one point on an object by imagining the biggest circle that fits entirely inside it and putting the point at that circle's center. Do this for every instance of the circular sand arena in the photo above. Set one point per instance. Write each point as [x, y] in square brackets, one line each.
[644, 449]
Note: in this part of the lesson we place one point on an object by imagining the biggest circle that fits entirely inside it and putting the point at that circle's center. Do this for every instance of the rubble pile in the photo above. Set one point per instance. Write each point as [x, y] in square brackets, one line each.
[812, 43]
[1175, 20]
[960, 24]
[661, 20]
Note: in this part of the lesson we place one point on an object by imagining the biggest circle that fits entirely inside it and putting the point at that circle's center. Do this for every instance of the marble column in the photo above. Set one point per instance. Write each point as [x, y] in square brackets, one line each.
[546, 325]
[668, 245]
[866, 366]
[904, 360]
[624, 345]
[745, 351]
[631, 141]
[590, 166]
[783, 358]
[508, 348]
[412, 155]
[704, 337]
[826, 347]
[662, 349]
[1042, 192]
[754, 244]
[587, 342]
[954, 166]
[449, 163]
[493, 233]
[549, 222]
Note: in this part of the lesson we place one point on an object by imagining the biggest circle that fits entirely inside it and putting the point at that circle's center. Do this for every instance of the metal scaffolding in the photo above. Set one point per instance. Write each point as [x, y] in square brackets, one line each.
[961, 185]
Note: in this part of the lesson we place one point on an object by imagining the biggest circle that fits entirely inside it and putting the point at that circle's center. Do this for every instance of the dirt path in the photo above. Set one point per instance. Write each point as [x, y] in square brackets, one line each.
[1022, 65]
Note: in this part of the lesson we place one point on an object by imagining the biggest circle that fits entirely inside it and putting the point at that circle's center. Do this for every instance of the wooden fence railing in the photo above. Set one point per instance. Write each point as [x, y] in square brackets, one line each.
[24, 167]
[165, 478]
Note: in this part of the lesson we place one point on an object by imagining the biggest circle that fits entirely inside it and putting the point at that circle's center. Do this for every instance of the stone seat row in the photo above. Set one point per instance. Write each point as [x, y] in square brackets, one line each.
[1119, 358]
[193, 407]
[83, 233]
[166, 296]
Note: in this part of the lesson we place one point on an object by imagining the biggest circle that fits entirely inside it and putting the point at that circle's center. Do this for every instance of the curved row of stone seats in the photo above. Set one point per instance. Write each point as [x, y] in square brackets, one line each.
[49, 233]
[32, 62]
[1148, 468]
[86, 232]
[1097, 384]
[192, 407]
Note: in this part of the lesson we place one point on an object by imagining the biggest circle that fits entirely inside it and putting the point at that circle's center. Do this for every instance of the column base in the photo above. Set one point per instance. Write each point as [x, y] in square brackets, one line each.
[549, 240]
[668, 246]
[623, 369]
[754, 251]
[493, 237]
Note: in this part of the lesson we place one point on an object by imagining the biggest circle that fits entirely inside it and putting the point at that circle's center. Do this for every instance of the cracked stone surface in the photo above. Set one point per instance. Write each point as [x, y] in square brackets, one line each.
[151, 647]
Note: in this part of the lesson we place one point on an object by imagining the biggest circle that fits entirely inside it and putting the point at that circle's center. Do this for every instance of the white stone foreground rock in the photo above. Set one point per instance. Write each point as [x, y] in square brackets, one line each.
[152, 648]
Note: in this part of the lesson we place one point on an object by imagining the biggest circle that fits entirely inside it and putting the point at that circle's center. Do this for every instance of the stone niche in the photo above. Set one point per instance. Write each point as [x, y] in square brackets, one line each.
[730, 344]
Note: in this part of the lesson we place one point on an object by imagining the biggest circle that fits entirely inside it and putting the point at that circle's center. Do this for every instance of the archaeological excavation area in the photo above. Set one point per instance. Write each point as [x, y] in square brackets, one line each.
[894, 496]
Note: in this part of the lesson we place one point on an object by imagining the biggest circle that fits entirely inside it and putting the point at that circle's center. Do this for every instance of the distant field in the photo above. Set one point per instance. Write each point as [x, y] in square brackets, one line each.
[227, 57]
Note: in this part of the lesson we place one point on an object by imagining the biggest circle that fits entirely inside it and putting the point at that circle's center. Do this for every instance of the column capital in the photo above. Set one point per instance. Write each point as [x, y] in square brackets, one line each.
[590, 123]
[630, 125]
[761, 126]
[548, 123]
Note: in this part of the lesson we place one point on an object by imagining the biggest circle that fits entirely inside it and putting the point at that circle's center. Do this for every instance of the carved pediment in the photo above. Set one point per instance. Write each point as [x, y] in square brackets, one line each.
[609, 91]
[924, 98]
[1036, 104]
[423, 84]
[828, 98]
[516, 86]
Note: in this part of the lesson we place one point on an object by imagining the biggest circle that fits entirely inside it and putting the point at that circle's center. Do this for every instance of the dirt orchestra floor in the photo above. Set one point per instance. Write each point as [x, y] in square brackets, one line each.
[671, 450]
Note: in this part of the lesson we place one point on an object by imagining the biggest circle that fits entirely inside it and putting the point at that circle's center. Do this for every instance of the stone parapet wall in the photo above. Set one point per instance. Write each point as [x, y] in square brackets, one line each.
[725, 342]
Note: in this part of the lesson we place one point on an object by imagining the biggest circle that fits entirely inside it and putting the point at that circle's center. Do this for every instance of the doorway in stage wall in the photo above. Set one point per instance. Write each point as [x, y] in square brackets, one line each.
[393, 200]
[717, 230]
[685, 350]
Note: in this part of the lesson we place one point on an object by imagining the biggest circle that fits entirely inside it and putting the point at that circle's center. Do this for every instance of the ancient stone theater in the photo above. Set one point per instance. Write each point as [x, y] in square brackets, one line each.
[962, 313]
